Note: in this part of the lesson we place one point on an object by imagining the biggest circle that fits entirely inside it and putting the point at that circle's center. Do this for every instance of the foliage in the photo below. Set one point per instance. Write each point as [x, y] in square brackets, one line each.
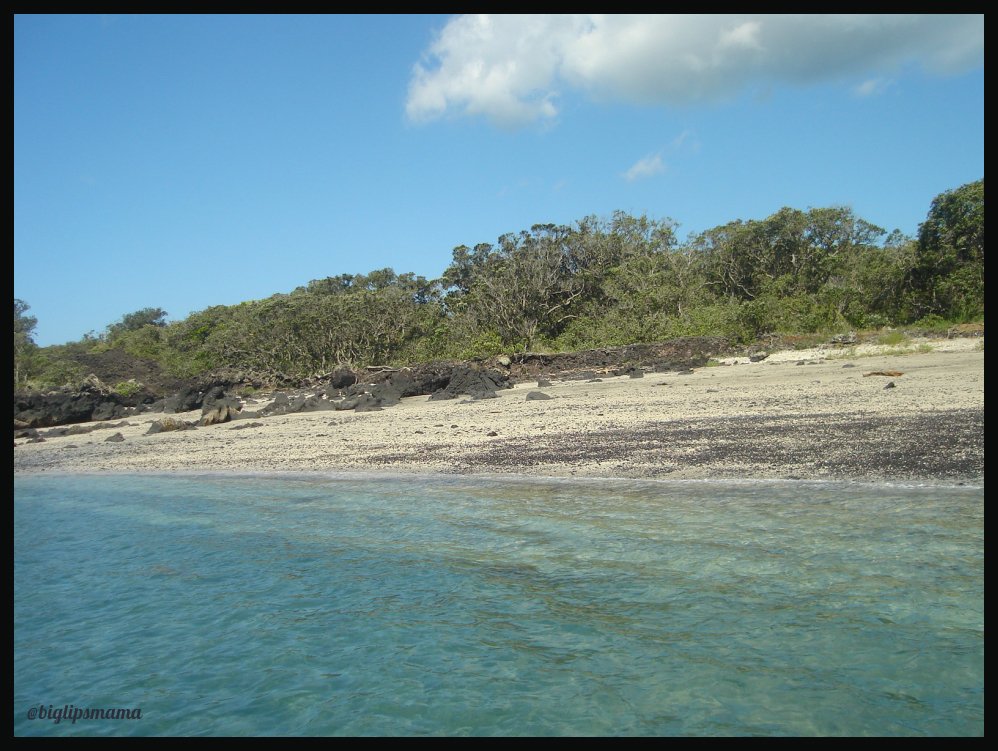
[948, 274]
[893, 338]
[140, 319]
[128, 388]
[25, 349]
[933, 323]
[53, 369]
[598, 282]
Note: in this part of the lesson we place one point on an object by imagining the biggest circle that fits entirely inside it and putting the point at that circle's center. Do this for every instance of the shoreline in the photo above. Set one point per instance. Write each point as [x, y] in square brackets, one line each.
[499, 479]
[793, 416]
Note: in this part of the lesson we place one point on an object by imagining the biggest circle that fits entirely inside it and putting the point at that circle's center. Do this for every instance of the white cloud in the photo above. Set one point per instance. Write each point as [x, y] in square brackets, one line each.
[648, 166]
[498, 66]
[686, 141]
[872, 87]
[511, 69]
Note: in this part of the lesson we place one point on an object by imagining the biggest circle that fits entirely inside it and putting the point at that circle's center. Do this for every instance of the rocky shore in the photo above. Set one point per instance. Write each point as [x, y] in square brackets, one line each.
[831, 413]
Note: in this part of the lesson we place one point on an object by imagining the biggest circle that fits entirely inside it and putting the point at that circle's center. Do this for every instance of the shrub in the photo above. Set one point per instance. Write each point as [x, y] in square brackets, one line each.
[893, 338]
[128, 388]
[933, 323]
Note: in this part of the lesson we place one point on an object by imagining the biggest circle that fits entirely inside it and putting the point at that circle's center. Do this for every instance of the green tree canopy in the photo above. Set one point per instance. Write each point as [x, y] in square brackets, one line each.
[949, 270]
[24, 343]
[138, 319]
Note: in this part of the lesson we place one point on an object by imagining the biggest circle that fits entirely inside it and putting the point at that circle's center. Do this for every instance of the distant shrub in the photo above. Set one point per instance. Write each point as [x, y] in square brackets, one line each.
[893, 338]
[486, 344]
[128, 388]
[58, 372]
[933, 323]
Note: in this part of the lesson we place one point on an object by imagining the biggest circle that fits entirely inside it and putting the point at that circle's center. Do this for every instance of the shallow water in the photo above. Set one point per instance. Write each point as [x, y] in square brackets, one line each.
[318, 605]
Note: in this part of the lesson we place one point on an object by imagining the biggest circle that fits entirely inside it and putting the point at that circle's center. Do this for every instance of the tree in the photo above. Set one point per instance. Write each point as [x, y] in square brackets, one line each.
[532, 285]
[949, 266]
[137, 320]
[527, 286]
[24, 343]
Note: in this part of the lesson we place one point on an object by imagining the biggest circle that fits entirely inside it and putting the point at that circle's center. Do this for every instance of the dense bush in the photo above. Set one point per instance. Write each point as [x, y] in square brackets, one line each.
[599, 282]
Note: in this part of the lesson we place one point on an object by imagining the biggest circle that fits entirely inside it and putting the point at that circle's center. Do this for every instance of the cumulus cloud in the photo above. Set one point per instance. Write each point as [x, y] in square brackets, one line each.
[648, 166]
[512, 69]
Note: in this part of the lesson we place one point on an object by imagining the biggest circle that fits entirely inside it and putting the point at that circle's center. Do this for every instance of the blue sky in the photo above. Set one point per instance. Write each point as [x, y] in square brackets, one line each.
[187, 161]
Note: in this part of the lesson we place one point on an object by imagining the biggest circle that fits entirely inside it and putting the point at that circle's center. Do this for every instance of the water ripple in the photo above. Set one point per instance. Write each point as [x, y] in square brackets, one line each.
[309, 605]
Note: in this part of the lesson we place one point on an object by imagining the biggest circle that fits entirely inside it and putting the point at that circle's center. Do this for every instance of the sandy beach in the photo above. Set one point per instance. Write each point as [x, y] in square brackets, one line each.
[797, 415]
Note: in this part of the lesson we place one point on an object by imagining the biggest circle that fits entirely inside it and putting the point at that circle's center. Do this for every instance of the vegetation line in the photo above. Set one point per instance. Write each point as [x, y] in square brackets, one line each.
[600, 282]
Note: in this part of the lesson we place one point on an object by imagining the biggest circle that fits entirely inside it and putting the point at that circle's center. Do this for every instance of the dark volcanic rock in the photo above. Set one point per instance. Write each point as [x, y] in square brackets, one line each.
[349, 403]
[108, 410]
[681, 353]
[116, 438]
[386, 394]
[220, 411]
[218, 407]
[285, 405]
[77, 429]
[247, 425]
[185, 400]
[367, 403]
[418, 380]
[281, 405]
[92, 400]
[316, 403]
[537, 395]
[342, 378]
[475, 382]
[115, 365]
[168, 425]
[443, 380]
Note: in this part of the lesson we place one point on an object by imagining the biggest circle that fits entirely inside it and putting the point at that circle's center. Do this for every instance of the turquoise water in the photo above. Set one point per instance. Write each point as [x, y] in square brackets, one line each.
[226, 605]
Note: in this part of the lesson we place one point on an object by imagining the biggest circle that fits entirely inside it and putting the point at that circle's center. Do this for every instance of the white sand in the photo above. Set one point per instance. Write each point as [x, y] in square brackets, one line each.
[717, 422]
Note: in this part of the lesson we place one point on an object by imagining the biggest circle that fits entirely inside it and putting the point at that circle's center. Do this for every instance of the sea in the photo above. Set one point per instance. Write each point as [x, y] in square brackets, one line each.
[374, 605]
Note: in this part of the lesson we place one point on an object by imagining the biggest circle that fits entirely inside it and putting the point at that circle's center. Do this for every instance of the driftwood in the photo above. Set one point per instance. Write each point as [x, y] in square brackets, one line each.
[888, 373]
